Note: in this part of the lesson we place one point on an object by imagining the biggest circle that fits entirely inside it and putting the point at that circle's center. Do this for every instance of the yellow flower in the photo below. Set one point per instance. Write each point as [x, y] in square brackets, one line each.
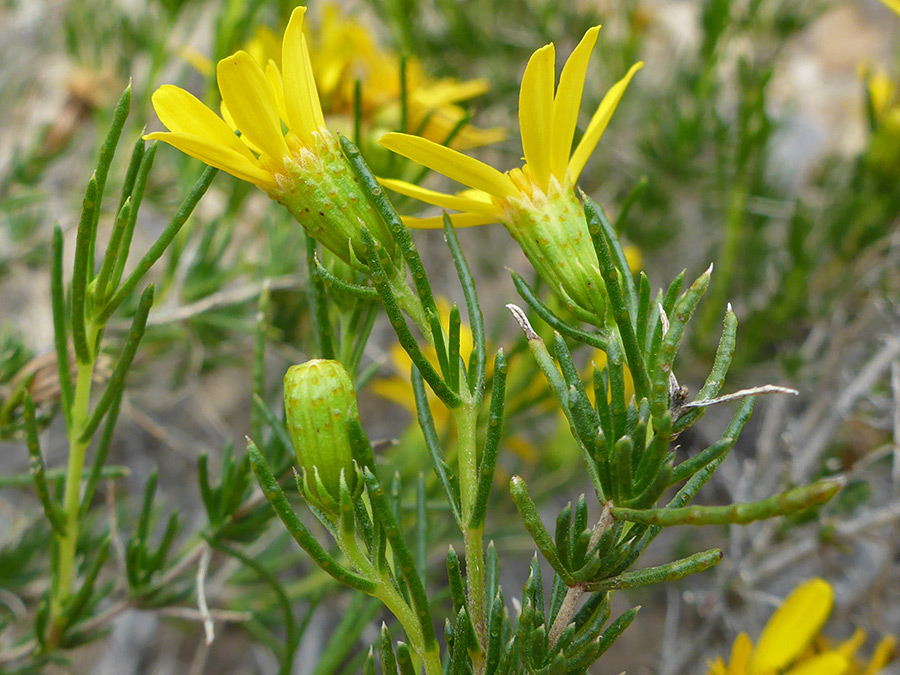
[881, 91]
[893, 4]
[536, 203]
[302, 168]
[790, 644]
[884, 145]
[398, 389]
[345, 51]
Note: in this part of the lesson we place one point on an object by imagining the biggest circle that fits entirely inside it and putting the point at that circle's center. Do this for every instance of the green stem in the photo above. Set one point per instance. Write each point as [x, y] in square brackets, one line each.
[392, 599]
[466, 418]
[72, 495]
[396, 604]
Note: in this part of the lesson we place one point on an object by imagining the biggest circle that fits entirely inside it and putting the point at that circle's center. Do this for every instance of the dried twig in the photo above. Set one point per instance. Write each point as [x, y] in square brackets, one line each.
[202, 569]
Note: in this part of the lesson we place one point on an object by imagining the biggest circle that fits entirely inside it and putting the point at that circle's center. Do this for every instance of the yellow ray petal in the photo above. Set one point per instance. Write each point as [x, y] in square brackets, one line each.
[299, 112]
[448, 91]
[829, 663]
[229, 120]
[458, 220]
[274, 77]
[716, 667]
[183, 112]
[598, 123]
[200, 62]
[850, 646]
[477, 195]
[314, 101]
[451, 163]
[740, 655]
[567, 103]
[884, 652]
[472, 137]
[396, 390]
[215, 155]
[455, 202]
[250, 100]
[793, 626]
[536, 113]
[300, 96]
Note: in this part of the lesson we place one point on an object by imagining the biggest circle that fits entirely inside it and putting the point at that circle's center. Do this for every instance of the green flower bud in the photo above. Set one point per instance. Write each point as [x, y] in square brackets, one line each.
[320, 401]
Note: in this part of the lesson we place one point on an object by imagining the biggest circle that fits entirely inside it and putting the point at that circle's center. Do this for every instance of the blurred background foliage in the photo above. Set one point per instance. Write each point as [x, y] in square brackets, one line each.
[762, 136]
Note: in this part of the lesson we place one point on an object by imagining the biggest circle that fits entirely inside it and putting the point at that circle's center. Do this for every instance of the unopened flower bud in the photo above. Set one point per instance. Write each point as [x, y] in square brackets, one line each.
[320, 401]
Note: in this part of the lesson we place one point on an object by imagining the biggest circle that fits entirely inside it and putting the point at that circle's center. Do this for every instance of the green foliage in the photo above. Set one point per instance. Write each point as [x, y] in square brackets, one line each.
[255, 291]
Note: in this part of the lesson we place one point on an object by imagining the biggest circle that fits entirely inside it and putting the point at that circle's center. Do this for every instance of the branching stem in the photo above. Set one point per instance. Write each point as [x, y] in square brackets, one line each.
[410, 304]
[396, 604]
[573, 595]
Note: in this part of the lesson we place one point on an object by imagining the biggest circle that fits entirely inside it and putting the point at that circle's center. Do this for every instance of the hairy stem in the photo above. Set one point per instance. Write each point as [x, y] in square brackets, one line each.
[72, 495]
[466, 416]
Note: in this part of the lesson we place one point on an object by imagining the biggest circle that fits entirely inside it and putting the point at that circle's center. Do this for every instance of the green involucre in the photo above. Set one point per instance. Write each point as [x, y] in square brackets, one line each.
[324, 195]
[320, 402]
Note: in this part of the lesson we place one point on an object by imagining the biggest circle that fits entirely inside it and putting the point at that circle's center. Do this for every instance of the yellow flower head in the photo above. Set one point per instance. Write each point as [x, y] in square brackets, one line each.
[536, 203]
[345, 51]
[302, 168]
[790, 641]
[893, 4]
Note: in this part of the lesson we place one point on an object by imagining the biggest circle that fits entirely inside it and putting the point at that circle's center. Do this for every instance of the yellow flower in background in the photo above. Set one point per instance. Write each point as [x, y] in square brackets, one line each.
[893, 4]
[398, 389]
[884, 109]
[536, 203]
[790, 643]
[302, 168]
[265, 46]
[599, 363]
[881, 91]
[344, 51]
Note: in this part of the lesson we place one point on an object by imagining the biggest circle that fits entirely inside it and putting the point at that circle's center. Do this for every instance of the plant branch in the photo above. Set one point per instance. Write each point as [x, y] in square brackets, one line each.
[573, 595]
